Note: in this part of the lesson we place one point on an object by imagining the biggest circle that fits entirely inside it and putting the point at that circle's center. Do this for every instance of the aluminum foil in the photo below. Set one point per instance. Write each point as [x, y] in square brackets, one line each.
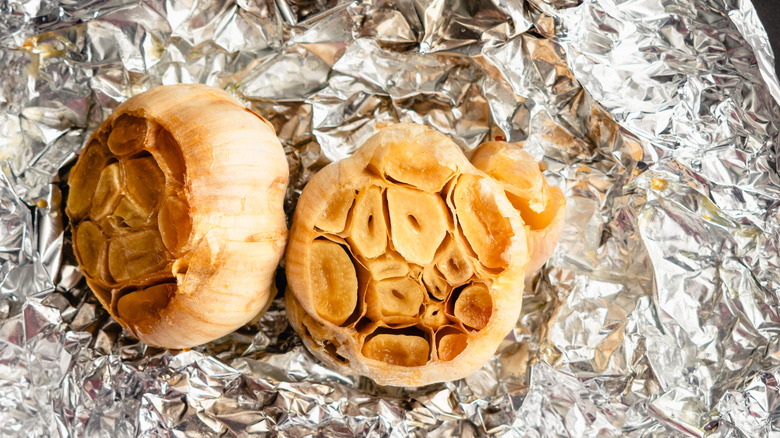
[657, 315]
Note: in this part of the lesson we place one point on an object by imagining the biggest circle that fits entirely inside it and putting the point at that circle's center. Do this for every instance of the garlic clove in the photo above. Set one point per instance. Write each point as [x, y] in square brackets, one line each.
[334, 281]
[541, 206]
[474, 306]
[368, 229]
[127, 135]
[394, 300]
[488, 232]
[418, 221]
[403, 350]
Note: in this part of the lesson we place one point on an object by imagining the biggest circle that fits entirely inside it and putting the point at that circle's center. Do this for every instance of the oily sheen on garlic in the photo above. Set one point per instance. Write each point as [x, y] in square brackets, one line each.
[405, 263]
[177, 218]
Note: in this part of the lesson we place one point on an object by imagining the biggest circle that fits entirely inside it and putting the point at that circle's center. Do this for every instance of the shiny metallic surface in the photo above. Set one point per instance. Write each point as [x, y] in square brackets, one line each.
[657, 315]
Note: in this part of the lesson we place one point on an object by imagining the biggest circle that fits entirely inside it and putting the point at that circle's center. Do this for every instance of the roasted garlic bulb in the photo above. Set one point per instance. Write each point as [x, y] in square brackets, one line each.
[176, 211]
[541, 205]
[405, 263]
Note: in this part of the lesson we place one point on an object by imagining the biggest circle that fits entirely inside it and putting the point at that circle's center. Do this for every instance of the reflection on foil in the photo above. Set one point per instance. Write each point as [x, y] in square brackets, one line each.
[657, 316]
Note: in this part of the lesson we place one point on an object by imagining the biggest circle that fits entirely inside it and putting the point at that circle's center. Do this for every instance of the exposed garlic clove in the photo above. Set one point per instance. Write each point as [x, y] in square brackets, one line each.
[474, 306]
[419, 208]
[418, 221]
[90, 244]
[84, 178]
[541, 206]
[453, 263]
[403, 350]
[184, 205]
[136, 255]
[368, 229]
[334, 281]
[451, 345]
[488, 232]
[387, 265]
[334, 217]
[108, 192]
[127, 135]
[394, 300]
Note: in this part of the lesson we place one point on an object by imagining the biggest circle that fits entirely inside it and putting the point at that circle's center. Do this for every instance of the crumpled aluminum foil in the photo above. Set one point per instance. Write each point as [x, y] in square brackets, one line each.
[657, 316]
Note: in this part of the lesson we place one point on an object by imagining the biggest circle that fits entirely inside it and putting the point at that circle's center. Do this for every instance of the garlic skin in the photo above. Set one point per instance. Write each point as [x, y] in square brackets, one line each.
[405, 263]
[542, 206]
[176, 205]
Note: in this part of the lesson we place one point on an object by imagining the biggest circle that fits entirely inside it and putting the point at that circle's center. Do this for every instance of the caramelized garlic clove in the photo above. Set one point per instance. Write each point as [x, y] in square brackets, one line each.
[541, 206]
[474, 306]
[451, 345]
[168, 154]
[435, 283]
[418, 223]
[400, 161]
[128, 135]
[108, 192]
[145, 182]
[136, 255]
[84, 178]
[487, 231]
[387, 265]
[141, 308]
[368, 229]
[334, 218]
[334, 281]
[393, 298]
[175, 224]
[90, 247]
[453, 264]
[402, 350]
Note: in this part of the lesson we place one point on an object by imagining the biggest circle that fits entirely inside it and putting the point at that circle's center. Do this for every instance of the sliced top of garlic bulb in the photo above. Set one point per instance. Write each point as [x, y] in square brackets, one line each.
[405, 263]
[176, 206]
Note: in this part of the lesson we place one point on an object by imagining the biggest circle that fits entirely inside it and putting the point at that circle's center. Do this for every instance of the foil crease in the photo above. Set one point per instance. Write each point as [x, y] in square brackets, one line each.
[656, 316]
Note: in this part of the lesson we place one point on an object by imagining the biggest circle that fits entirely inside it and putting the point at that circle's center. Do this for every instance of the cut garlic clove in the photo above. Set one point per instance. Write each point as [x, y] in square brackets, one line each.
[487, 230]
[145, 182]
[401, 162]
[136, 255]
[402, 350]
[394, 299]
[128, 135]
[453, 263]
[334, 281]
[436, 285]
[541, 206]
[194, 214]
[144, 306]
[84, 178]
[108, 192]
[474, 306]
[451, 344]
[175, 224]
[90, 243]
[168, 153]
[387, 265]
[418, 221]
[368, 229]
[131, 214]
[334, 218]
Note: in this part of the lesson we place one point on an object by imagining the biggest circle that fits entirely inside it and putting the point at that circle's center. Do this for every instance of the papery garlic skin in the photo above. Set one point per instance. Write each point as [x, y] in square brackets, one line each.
[417, 226]
[191, 227]
[542, 206]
